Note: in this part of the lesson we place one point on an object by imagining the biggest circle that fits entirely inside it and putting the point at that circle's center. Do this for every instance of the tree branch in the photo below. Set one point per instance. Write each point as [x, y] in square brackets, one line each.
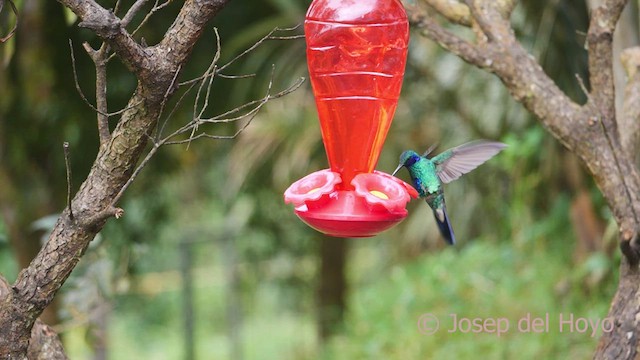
[44, 343]
[37, 284]
[454, 11]
[106, 25]
[100, 58]
[630, 118]
[460, 47]
[600, 47]
[188, 26]
[11, 32]
[522, 75]
[133, 10]
[579, 128]
[590, 131]
[65, 148]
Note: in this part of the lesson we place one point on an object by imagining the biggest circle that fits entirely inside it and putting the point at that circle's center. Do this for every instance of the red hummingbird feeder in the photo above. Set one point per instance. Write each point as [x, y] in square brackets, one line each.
[356, 54]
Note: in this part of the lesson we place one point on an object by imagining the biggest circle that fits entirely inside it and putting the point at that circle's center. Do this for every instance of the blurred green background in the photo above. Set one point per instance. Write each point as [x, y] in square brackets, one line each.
[209, 263]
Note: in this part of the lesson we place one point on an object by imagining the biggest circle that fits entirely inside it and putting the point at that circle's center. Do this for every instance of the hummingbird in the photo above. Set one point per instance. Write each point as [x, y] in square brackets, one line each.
[429, 174]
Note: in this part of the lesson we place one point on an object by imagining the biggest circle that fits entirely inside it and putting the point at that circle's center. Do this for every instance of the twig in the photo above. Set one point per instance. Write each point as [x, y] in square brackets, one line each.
[626, 246]
[153, 10]
[292, 37]
[65, 148]
[84, 98]
[622, 174]
[96, 219]
[167, 140]
[600, 50]
[455, 12]
[207, 77]
[246, 76]
[460, 47]
[160, 129]
[136, 172]
[630, 138]
[223, 118]
[100, 60]
[583, 87]
[210, 69]
[133, 10]
[15, 26]
[268, 36]
[481, 20]
[170, 89]
[204, 91]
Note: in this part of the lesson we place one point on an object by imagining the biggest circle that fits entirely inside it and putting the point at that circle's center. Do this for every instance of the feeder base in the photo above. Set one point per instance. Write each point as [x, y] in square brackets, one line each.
[346, 214]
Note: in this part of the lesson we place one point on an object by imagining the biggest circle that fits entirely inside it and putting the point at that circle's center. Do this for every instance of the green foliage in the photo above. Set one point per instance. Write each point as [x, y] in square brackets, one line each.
[7, 261]
[481, 281]
[511, 215]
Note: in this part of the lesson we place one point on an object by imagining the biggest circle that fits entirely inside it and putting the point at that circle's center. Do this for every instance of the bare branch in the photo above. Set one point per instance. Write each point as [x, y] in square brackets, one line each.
[136, 172]
[250, 115]
[219, 69]
[133, 10]
[110, 29]
[269, 36]
[253, 106]
[207, 78]
[455, 12]
[590, 131]
[486, 29]
[189, 24]
[83, 97]
[65, 147]
[155, 68]
[100, 58]
[44, 343]
[96, 219]
[600, 49]
[160, 129]
[156, 7]
[15, 25]
[246, 76]
[464, 49]
[492, 18]
[629, 120]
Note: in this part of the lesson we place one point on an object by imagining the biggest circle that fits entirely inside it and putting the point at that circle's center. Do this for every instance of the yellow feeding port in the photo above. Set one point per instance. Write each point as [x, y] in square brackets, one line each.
[379, 194]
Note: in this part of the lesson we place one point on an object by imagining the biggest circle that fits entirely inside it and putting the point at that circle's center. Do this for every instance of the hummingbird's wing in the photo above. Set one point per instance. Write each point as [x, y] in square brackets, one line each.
[458, 161]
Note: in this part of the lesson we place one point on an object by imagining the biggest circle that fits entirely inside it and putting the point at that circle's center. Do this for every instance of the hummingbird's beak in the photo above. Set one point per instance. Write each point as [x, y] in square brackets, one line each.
[396, 170]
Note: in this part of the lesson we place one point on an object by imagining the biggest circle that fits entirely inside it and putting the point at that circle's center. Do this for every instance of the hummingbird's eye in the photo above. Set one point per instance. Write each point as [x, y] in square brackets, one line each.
[412, 160]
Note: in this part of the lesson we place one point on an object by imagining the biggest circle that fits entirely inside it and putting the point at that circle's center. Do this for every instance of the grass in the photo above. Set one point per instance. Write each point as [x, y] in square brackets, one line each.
[484, 282]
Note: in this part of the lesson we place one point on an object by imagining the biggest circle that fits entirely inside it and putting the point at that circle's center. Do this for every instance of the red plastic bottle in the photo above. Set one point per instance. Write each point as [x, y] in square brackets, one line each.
[356, 53]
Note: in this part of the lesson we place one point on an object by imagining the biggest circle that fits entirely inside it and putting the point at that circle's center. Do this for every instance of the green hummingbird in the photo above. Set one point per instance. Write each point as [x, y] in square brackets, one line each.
[429, 174]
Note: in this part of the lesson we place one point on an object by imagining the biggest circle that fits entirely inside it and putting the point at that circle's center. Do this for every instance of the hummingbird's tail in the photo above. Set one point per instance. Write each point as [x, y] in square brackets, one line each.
[443, 223]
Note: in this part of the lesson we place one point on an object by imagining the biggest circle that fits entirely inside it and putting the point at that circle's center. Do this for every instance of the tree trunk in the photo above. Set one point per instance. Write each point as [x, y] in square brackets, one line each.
[44, 343]
[156, 68]
[332, 289]
[604, 143]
